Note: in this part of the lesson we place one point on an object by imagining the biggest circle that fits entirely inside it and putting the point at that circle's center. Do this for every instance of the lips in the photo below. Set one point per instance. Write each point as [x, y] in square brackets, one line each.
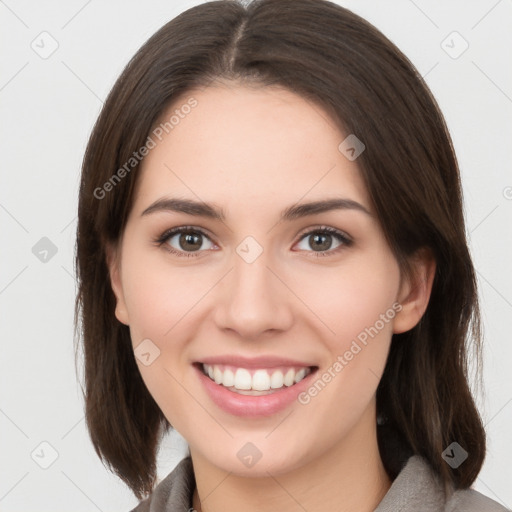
[252, 387]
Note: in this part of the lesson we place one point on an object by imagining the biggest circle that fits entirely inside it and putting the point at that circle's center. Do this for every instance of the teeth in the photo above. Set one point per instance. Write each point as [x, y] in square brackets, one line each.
[261, 380]
[300, 375]
[289, 377]
[242, 379]
[277, 380]
[257, 380]
[217, 375]
[228, 379]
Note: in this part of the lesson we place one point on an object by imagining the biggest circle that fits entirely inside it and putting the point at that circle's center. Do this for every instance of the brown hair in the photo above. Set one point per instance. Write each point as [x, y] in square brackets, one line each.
[333, 58]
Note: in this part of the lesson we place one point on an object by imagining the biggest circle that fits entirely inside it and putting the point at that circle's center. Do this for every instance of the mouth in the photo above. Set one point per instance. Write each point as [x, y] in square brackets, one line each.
[255, 381]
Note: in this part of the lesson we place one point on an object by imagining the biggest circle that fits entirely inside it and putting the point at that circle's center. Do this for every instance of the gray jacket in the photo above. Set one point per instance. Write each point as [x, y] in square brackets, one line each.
[415, 489]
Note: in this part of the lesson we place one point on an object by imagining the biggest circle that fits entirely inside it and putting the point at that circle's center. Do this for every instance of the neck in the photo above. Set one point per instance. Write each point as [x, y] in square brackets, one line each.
[349, 477]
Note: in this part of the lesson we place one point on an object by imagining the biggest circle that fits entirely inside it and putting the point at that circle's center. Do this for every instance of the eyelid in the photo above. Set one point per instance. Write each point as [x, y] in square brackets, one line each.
[328, 229]
[346, 239]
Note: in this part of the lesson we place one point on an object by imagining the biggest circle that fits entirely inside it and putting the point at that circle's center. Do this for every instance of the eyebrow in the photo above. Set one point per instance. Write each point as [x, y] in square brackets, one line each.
[208, 210]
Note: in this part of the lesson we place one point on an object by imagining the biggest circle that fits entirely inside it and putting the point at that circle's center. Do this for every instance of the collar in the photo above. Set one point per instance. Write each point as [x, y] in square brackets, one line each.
[415, 488]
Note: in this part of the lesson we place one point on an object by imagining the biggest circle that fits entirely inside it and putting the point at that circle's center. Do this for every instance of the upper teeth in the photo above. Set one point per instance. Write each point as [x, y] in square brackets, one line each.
[258, 380]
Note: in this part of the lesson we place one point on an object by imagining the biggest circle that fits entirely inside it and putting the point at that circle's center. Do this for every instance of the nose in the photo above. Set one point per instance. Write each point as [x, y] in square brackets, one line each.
[253, 299]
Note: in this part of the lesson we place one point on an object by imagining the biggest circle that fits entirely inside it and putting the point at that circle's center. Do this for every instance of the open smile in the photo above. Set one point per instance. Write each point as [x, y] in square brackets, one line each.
[254, 391]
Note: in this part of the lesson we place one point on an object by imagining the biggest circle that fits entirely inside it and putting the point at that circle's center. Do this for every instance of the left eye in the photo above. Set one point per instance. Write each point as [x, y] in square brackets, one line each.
[321, 240]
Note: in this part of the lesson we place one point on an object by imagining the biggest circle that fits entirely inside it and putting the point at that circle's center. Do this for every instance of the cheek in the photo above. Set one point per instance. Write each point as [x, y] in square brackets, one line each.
[355, 300]
[158, 299]
[159, 295]
[161, 301]
[358, 307]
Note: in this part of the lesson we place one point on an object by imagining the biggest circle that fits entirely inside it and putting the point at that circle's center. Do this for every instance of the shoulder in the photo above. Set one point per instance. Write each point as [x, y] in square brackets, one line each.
[174, 492]
[469, 500]
[417, 487]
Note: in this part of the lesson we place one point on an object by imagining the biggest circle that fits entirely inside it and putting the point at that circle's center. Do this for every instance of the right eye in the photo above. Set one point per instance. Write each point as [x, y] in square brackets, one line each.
[184, 241]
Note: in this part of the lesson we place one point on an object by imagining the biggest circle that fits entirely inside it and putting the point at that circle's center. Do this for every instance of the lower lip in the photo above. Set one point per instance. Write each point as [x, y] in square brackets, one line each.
[249, 405]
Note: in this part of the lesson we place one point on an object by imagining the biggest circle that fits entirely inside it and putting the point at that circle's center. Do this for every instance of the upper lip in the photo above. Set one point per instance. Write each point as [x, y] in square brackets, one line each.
[254, 362]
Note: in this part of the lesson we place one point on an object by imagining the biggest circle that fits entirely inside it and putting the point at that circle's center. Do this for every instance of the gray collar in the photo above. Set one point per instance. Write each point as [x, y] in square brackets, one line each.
[416, 488]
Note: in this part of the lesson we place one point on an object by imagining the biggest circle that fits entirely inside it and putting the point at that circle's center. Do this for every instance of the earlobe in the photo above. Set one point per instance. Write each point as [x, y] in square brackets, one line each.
[113, 264]
[414, 294]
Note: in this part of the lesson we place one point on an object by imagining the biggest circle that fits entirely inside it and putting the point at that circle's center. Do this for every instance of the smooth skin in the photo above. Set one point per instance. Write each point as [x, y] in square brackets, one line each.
[253, 151]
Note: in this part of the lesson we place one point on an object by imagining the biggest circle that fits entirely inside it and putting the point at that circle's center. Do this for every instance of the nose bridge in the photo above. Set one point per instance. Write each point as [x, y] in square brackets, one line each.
[251, 275]
[253, 300]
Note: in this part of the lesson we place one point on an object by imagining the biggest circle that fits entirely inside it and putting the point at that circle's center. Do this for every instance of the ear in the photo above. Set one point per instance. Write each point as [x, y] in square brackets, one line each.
[114, 266]
[414, 293]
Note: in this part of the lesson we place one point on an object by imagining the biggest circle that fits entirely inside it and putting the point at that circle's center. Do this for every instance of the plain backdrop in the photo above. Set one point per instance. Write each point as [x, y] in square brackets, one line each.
[48, 104]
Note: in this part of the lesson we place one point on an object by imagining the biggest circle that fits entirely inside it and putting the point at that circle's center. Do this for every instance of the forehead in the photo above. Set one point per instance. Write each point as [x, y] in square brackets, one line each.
[254, 145]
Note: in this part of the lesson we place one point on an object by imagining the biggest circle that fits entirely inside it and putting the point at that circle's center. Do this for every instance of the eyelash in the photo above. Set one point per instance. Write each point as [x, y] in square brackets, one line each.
[166, 235]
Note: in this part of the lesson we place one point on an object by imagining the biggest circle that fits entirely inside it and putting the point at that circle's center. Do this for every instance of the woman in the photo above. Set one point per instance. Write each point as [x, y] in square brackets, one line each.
[272, 260]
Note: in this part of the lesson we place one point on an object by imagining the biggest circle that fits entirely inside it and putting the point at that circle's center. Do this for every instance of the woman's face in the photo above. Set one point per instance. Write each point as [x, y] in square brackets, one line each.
[262, 295]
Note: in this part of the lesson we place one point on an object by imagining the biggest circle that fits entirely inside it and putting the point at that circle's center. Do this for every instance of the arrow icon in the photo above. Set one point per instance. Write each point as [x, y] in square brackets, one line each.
[147, 352]
[351, 147]
[249, 455]
[454, 45]
[44, 250]
[44, 455]
[454, 455]
[45, 45]
[249, 253]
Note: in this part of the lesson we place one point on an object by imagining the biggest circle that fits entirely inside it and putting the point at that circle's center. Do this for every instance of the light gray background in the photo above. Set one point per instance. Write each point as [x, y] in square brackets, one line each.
[48, 107]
